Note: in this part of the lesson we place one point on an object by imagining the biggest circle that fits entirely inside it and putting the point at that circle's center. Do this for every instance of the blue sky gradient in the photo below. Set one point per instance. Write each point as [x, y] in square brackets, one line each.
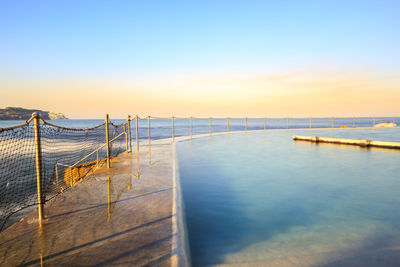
[48, 40]
[98, 37]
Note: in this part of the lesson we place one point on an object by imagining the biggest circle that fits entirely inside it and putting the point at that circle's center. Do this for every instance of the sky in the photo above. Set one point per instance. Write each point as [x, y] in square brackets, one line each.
[201, 58]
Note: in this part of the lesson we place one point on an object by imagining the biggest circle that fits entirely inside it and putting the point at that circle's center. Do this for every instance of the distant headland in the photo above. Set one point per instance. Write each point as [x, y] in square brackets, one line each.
[15, 113]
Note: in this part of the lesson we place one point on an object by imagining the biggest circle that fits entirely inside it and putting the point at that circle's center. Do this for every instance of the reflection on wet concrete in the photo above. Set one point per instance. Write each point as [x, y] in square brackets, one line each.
[149, 155]
[130, 182]
[109, 218]
[137, 166]
[109, 199]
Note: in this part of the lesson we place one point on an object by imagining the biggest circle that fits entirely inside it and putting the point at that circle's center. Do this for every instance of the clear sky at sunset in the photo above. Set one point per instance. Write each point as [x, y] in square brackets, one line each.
[201, 58]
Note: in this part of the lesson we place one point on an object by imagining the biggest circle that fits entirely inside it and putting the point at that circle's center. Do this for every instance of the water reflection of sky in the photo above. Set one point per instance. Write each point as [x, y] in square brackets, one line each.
[263, 197]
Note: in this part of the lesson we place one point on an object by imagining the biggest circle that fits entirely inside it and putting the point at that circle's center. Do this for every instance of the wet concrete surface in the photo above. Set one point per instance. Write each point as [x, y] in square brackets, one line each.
[118, 216]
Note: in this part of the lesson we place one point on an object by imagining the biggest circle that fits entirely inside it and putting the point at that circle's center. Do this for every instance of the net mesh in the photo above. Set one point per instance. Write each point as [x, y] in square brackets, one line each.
[68, 155]
[17, 172]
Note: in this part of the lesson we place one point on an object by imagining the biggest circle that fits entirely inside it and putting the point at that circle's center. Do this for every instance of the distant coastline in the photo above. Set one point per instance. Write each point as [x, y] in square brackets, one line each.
[17, 113]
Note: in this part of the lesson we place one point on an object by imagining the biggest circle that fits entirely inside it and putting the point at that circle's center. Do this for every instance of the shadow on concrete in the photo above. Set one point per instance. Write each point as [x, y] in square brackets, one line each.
[72, 249]
[108, 203]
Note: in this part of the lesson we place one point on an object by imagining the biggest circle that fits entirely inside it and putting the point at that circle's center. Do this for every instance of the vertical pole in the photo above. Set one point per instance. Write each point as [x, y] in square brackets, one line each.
[228, 124]
[107, 142]
[126, 138]
[191, 127]
[71, 179]
[374, 121]
[394, 118]
[246, 124]
[129, 133]
[210, 125]
[287, 123]
[354, 121]
[173, 128]
[310, 122]
[57, 174]
[97, 158]
[265, 124]
[333, 122]
[38, 157]
[149, 132]
[137, 134]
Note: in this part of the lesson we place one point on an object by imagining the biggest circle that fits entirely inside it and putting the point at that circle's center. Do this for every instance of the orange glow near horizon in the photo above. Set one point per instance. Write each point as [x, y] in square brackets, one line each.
[297, 94]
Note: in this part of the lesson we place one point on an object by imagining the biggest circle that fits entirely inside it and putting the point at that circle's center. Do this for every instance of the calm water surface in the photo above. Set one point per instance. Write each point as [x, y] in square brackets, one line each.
[162, 128]
[262, 198]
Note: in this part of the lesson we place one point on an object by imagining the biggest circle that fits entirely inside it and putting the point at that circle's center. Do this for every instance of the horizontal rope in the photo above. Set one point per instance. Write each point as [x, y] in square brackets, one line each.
[13, 127]
[116, 125]
[72, 129]
[260, 118]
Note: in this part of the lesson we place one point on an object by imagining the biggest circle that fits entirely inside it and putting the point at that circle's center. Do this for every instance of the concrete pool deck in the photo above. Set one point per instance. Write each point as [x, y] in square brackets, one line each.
[128, 215]
[113, 217]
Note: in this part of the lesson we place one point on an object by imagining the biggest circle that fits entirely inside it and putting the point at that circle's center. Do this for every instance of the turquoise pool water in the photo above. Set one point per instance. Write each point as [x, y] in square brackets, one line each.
[263, 199]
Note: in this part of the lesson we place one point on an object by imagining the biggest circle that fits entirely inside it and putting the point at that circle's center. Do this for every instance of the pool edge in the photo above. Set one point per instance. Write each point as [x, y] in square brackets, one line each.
[180, 239]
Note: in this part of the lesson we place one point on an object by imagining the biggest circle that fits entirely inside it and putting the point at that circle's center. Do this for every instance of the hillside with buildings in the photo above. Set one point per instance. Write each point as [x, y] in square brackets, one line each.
[17, 113]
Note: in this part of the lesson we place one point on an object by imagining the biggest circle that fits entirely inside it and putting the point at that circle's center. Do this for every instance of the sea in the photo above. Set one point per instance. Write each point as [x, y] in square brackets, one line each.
[162, 128]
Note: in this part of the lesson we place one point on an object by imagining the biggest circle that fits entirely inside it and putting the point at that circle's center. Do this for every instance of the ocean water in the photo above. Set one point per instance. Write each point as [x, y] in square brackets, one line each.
[263, 199]
[162, 128]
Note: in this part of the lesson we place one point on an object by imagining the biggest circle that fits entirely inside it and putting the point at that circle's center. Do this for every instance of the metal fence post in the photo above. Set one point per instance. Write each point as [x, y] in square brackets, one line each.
[126, 138]
[38, 157]
[333, 122]
[265, 124]
[354, 121]
[107, 142]
[394, 119]
[129, 133]
[246, 124]
[137, 134]
[287, 123]
[310, 122]
[191, 127]
[56, 174]
[228, 124]
[374, 121]
[173, 127]
[149, 132]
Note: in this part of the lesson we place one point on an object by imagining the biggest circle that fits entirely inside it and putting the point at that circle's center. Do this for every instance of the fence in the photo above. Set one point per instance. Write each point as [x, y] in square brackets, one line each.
[170, 127]
[39, 160]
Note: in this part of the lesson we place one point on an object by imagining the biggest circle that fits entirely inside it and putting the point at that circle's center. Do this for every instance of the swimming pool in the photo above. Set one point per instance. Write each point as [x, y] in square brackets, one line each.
[263, 199]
